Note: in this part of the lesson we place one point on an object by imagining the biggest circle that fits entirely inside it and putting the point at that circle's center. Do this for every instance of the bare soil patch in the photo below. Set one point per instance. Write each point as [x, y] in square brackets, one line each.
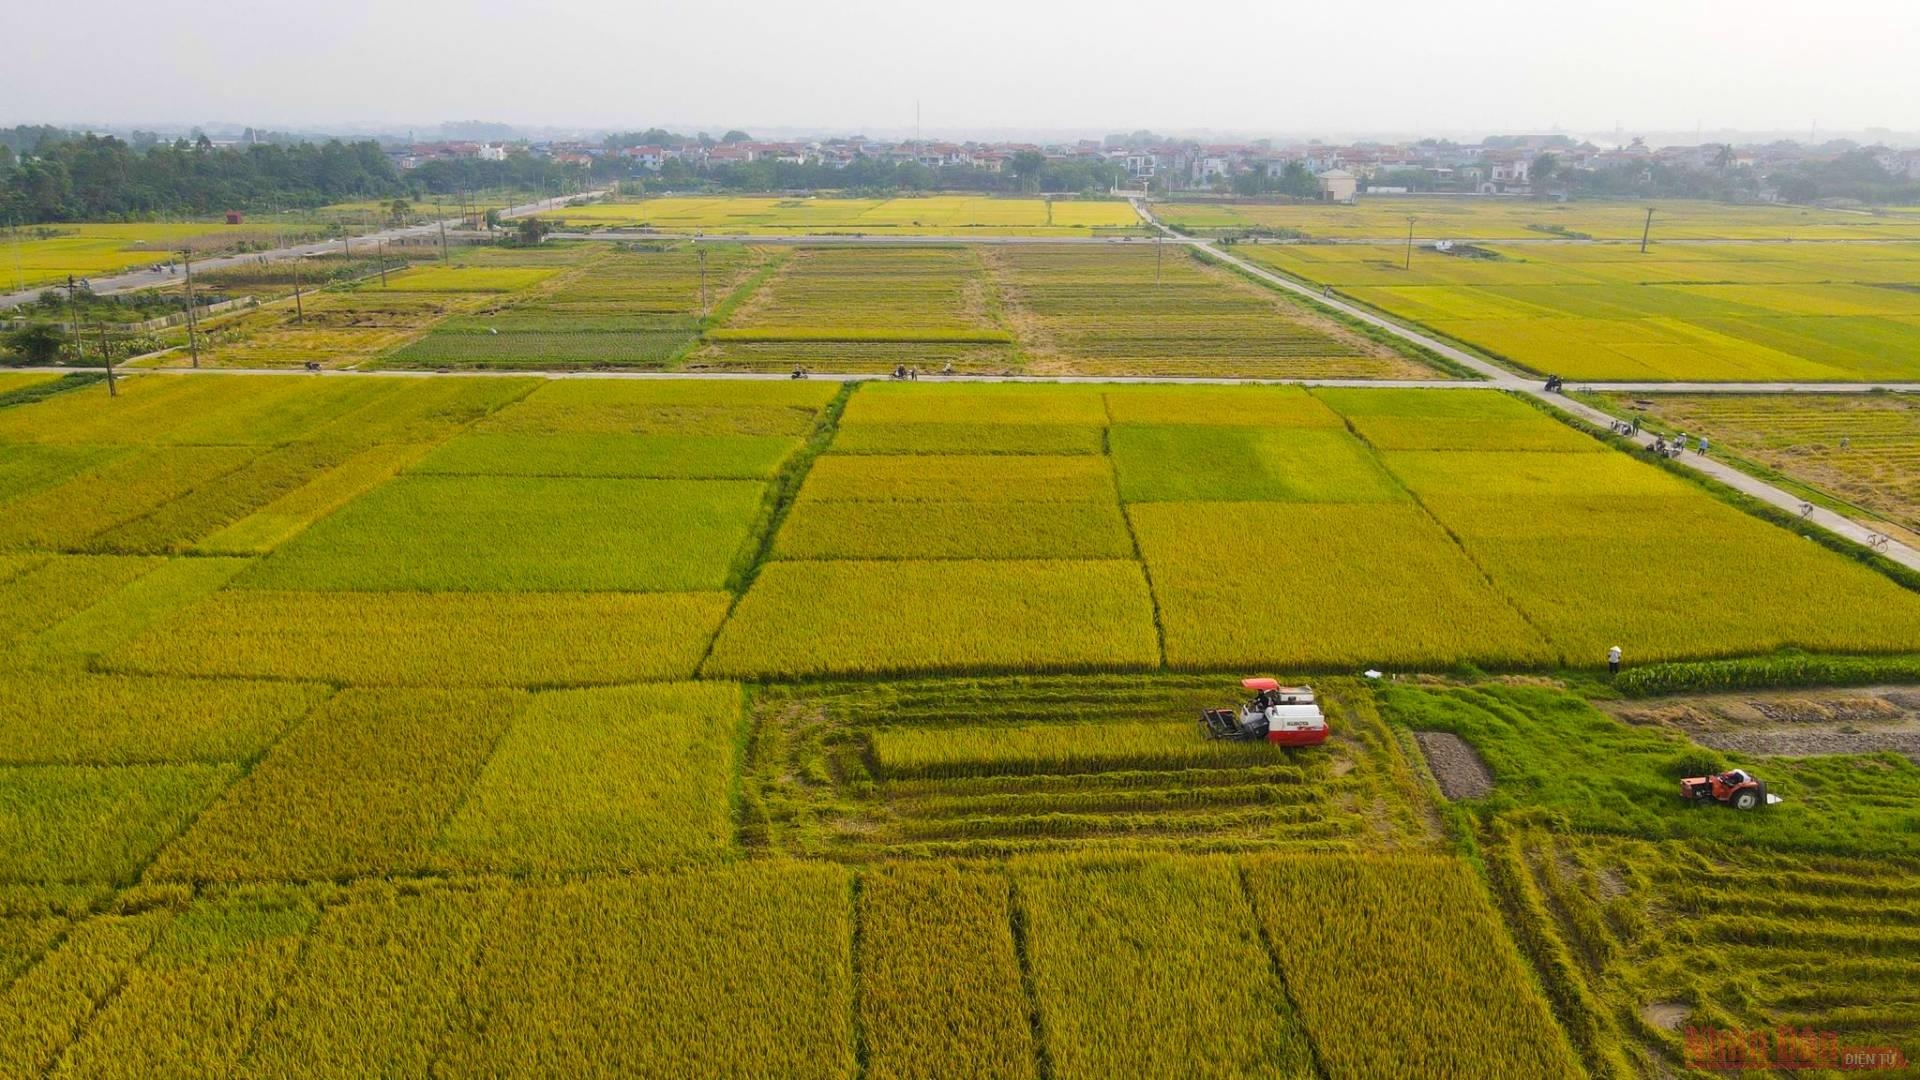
[1455, 764]
[1798, 723]
[1665, 1015]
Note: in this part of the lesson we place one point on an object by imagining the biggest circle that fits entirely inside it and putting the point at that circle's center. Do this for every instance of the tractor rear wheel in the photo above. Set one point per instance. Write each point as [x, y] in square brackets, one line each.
[1746, 800]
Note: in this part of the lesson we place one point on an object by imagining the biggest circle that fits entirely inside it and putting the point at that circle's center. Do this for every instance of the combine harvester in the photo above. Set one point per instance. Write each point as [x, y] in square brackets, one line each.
[1283, 715]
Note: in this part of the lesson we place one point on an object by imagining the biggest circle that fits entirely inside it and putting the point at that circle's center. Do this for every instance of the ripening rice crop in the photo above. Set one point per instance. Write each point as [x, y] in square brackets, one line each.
[1153, 968]
[361, 787]
[1260, 584]
[622, 283]
[1147, 311]
[11, 381]
[121, 720]
[738, 971]
[1400, 966]
[29, 467]
[1000, 478]
[190, 1006]
[975, 403]
[612, 778]
[285, 517]
[1239, 406]
[859, 617]
[1862, 448]
[931, 933]
[121, 617]
[468, 279]
[377, 985]
[96, 823]
[1601, 550]
[433, 639]
[1693, 312]
[830, 291]
[664, 407]
[209, 410]
[508, 533]
[962, 530]
[972, 419]
[47, 1006]
[68, 515]
[44, 591]
[1455, 420]
[211, 507]
[1191, 463]
[695, 457]
[966, 438]
[485, 342]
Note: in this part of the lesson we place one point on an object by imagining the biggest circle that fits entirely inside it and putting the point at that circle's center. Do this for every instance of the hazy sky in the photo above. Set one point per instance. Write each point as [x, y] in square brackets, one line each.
[1336, 66]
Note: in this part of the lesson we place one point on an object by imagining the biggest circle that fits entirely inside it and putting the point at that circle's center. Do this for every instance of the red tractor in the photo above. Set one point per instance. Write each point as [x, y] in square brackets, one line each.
[1285, 715]
[1736, 788]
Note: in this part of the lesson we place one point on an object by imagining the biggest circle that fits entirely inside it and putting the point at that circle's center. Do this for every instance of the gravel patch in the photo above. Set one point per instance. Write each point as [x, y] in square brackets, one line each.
[1461, 773]
[1810, 743]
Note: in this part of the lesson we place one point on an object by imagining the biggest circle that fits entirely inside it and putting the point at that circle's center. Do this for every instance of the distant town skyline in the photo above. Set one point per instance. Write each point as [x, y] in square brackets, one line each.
[994, 68]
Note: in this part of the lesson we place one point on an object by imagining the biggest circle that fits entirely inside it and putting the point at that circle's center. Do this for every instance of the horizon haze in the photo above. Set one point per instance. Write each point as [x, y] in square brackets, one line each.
[856, 65]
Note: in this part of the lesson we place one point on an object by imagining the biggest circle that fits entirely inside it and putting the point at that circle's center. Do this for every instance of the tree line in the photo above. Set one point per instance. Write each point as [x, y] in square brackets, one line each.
[95, 178]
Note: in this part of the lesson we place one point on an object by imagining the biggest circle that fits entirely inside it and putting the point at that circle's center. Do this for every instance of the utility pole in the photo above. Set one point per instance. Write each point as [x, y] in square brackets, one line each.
[383, 264]
[1644, 232]
[73, 321]
[106, 357]
[437, 212]
[193, 344]
[19, 275]
[703, 281]
[299, 312]
[1158, 239]
[1409, 265]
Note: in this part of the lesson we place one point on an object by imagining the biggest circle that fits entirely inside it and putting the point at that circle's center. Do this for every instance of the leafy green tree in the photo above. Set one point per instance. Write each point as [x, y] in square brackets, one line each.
[38, 342]
[532, 230]
[736, 136]
[1026, 165]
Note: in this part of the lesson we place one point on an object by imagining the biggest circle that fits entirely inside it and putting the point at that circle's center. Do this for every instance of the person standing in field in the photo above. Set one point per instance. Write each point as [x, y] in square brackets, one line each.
[1613, 660]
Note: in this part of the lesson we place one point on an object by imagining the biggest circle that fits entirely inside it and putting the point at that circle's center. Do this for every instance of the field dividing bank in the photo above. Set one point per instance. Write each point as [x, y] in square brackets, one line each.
[1807, 312]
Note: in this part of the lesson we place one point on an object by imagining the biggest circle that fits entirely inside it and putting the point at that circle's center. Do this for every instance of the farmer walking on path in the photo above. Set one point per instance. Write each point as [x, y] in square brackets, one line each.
[1613, 660]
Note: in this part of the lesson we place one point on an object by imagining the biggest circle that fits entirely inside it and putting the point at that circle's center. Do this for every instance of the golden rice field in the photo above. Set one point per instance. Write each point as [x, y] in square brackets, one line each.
[1701, 312]
[495, 726]
[98, 250]
[928, 215]
[1384, 218]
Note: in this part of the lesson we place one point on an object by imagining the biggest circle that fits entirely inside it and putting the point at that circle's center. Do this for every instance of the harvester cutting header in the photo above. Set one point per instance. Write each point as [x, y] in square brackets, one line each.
[1284, 715]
